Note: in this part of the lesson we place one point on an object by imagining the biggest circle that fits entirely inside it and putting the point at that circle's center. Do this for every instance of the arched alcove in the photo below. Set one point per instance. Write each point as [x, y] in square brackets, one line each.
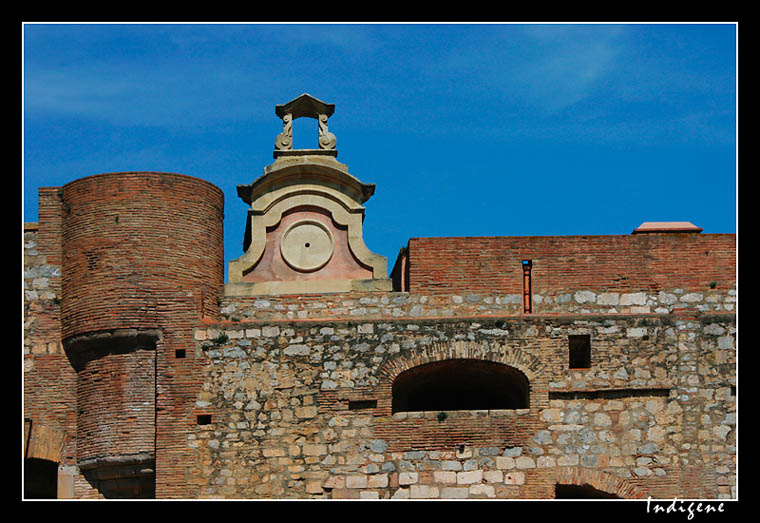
[585, 491]
[460, 384]
[40, 479]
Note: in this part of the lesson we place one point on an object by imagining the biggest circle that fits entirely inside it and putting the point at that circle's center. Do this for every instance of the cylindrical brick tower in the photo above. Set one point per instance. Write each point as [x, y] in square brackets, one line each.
[142, 258]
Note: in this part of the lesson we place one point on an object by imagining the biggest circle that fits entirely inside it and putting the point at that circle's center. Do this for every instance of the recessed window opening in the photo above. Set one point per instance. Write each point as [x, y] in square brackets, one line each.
[362, 404]
[580, 351]
[608, 394]
[179, 353]
[204, 419]
[460, 384]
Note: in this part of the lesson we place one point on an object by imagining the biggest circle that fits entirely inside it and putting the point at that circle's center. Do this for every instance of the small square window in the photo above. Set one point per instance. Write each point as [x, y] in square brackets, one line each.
[362, 404]
[204, 419]
[580, 351]
[179, 353]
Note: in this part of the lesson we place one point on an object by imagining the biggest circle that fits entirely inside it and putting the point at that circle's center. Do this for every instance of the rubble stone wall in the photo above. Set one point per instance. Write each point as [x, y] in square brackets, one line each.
[657, 405]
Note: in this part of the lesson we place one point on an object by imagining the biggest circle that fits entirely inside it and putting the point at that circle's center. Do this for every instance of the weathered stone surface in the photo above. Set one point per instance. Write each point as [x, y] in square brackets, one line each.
[356, 481]
[468, 478]
[514, 478]
[455, 492]
[407, 478]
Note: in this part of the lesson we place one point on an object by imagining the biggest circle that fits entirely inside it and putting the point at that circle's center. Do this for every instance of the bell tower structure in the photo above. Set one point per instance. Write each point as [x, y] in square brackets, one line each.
[304, 225]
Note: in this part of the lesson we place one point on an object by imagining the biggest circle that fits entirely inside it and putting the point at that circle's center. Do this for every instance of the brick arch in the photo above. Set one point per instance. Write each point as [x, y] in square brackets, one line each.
[513, 357]
[498, 353]
[600, 480]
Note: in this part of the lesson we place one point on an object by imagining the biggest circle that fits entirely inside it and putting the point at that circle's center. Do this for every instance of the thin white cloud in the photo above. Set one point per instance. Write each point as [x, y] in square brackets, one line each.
[562, 77]
[543, 68]
[145, 96]
[199, 75]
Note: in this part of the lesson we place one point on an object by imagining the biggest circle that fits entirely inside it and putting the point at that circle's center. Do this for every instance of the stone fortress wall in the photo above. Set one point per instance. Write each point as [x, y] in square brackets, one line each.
[509, 367]
[307, 403]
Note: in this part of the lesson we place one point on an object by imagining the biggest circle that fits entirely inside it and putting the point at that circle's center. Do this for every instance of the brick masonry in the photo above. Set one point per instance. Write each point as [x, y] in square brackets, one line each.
[132, 353]
[605, 264]
[139, 264]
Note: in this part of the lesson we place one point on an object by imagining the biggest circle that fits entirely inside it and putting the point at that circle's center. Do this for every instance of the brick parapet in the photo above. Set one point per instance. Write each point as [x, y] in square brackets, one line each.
[50, 217]
[646, 263]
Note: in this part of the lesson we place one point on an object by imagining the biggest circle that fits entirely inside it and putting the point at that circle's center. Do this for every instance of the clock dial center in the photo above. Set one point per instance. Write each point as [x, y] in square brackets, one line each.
[307, 245]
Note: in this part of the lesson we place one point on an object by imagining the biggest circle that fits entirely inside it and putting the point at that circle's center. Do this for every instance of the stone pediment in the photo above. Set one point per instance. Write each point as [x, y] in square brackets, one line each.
[304, 106]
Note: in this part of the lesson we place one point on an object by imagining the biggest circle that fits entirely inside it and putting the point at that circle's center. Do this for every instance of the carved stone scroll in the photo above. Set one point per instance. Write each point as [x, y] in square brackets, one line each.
[284, 140]
[327, 139]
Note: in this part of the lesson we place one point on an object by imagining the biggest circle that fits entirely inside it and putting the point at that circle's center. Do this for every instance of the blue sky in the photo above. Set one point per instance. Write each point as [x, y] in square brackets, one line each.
[466, 129]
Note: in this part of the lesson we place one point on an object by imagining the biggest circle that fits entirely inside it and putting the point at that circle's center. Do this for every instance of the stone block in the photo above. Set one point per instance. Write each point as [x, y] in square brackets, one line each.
[568, 460]
[482, 490]
[270, 331]
[297, 350]
[356, 481]
[451, 465]
[545, 462]
[335, 482]
[306, 412]
[442, 476]
[313, 486]
[514, 478]
[345, 493]
[636, 298]
[493, 476]
[402, 493]
[551, 415]
[423, 492]
[377, 481]
[366, 328]
[505, 462]
[468, 478]
[585, 297]
[542, 437]
[407, 478]
[455, 492]
[608, 298]
[601, 419]
[656, 434]
[310, 449]
[525, 462]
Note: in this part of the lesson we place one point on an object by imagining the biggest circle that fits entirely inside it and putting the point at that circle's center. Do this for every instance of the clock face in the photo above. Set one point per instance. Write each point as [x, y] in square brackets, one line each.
[307, 245]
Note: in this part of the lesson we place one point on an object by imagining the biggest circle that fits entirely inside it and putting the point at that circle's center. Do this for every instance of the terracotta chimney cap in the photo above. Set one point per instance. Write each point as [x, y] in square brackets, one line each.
[650, 227]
